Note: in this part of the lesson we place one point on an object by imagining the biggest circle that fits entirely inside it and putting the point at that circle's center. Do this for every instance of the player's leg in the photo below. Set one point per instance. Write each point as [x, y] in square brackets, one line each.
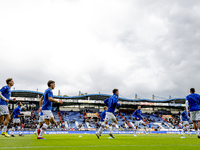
[183, 130]
[198, 121]
[102, 127]
[195, 128]
[113, 125]
[195, 116]
[48, 115]
[7, 119]
[19, 128]
[44, 128]
[1, 120]
[136, 127]
[41, 120]
[199, 127]
[145, 127]
[188, 129]
[13, 129]
[52, 120]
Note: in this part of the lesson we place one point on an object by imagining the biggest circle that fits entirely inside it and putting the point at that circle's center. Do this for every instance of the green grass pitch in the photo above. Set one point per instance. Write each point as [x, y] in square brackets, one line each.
[87, 141]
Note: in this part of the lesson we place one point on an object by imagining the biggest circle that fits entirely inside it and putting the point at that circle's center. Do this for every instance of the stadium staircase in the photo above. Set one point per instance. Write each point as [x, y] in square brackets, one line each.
[76, 122]
[168, 124]
[178, 124]
[85, 116]
[60, 117]
[66, 124]
[87, 124]
[159, 124]
[125, 121]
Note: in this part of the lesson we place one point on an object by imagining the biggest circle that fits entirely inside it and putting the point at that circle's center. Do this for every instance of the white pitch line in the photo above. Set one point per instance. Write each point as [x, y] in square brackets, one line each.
[88, 146]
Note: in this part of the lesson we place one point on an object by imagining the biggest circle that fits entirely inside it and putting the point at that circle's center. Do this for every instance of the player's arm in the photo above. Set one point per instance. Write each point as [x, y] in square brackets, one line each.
[106, 101]
[18, 113]
[50, 98]
[1, 95]
[54, 100]
[40, 103]
[186, 105]
[12, 99]
[135, 115]
[181, 117]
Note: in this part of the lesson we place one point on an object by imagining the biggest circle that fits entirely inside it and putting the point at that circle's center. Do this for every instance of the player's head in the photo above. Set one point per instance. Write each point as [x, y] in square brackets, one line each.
[10, 81]
[19, 104]
[139, 107]
[192, 90]
[116, 91]
[105, 108]
[51, 84]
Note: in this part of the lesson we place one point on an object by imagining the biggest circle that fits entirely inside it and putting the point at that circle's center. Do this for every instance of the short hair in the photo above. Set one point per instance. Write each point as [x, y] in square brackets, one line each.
[8, 80]
[105, 107]
[49, 82]
[18, 103]
[115, 90]
[192, 90]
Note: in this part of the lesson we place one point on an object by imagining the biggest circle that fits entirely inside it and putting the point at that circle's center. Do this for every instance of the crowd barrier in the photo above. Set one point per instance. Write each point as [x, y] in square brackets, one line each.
[104, 132]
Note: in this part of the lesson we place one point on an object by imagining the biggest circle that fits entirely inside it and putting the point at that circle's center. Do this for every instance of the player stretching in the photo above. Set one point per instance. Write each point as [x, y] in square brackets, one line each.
[112, 103]
[138, 117]
[41, 120]
[17, 112]
[5, 93]
[103, 115]
[46, 103]
[193, 100]
[184, 119]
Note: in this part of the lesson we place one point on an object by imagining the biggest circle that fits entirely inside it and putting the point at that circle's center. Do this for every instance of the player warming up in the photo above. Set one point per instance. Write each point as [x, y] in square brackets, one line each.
[112, 103]
[184, 119]
[41, 121]
[138, 118]
[17, 113]
[46, 103]
[103, 115]
[193, 101]
[5, 93]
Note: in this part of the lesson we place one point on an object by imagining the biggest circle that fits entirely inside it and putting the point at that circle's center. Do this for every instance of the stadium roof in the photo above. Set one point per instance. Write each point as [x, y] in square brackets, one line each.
[35, 94]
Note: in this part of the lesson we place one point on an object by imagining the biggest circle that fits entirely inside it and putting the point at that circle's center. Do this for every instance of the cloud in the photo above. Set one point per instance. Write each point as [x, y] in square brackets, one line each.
[139, 47]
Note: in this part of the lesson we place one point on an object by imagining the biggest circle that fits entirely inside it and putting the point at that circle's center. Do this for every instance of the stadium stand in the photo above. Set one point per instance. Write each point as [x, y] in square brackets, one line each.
[82, 112]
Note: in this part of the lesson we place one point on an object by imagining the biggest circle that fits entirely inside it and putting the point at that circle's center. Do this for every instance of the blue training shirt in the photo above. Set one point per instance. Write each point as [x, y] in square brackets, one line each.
[137, 114]
[103, 115]
[184, 116]
[194, 101]
[6, 92]
[16, 112]
[47, 105]
[112, 103]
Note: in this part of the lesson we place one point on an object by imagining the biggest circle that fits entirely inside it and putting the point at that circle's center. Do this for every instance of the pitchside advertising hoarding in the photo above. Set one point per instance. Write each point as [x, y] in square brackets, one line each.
[104, 132]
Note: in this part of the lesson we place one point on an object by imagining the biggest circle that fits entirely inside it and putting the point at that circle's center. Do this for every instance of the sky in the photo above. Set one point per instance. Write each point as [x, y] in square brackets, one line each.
[138, 46]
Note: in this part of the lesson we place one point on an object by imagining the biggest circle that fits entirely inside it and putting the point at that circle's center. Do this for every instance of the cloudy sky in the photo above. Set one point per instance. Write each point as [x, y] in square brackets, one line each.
[139, 46]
